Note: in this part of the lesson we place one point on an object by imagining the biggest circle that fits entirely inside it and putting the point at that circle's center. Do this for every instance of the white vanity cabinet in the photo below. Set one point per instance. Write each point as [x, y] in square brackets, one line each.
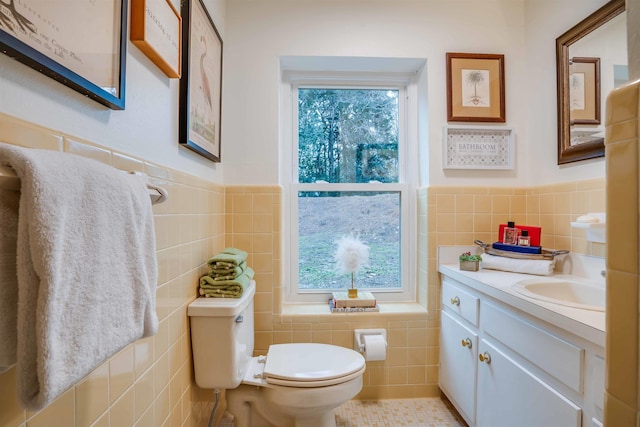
[510, 395]
[500, 366]
[458, 377]
[459, 344]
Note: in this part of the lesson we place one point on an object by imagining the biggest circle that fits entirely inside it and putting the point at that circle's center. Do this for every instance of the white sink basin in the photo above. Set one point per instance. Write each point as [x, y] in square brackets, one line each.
[564, 292]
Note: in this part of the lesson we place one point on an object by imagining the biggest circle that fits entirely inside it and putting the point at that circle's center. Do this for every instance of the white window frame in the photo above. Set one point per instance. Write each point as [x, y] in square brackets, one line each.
[408, 175]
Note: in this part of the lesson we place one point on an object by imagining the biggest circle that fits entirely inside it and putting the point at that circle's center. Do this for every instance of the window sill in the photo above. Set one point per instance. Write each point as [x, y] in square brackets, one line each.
[322, 310]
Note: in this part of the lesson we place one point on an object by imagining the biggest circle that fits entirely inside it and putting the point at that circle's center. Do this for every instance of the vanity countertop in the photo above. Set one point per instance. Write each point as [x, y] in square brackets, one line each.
[587, 324]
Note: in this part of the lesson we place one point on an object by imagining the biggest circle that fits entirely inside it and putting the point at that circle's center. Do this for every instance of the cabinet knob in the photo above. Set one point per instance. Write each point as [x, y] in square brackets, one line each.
[455, 301]
[466, 342]
[485, 357]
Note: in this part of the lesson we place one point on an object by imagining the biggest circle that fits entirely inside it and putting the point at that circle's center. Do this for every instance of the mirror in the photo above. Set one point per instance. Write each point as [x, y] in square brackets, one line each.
[591, 59]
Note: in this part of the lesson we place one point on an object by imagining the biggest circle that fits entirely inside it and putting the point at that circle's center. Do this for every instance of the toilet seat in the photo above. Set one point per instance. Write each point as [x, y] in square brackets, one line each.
[311, 384]
[306, 365]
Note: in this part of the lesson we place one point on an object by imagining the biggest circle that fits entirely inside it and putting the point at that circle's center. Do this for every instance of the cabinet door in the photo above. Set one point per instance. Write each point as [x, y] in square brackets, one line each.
[458, 365]
[509, 395]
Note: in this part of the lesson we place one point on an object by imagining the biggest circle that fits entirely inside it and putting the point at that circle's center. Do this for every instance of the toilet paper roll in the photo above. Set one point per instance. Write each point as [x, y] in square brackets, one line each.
[375, 347]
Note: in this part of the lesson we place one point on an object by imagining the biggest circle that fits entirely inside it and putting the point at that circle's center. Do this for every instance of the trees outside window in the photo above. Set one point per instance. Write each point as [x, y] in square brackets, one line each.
[348, 181]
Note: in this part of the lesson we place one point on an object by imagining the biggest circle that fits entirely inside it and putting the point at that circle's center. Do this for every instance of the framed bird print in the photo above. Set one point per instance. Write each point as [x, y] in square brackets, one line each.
[201, 82]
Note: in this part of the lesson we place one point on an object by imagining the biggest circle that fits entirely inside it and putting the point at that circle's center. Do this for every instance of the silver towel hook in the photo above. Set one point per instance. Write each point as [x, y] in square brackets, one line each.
[162, 195]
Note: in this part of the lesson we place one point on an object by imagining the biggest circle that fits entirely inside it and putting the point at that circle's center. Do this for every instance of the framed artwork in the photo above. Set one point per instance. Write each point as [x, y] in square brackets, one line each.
[156, 28]
[467, 147]
[475, 87]
[584, 91]
[201, 82]
[377, 162]
[82, 47]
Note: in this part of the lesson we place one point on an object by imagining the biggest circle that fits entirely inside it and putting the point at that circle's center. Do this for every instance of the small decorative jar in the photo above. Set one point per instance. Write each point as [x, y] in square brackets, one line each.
[470, 262]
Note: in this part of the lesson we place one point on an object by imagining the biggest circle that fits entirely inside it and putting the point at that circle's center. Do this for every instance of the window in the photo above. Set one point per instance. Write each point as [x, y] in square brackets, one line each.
[348, 176]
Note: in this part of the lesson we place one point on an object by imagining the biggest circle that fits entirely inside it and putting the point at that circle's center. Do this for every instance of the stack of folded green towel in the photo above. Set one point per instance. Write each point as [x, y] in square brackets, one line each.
[228, 275]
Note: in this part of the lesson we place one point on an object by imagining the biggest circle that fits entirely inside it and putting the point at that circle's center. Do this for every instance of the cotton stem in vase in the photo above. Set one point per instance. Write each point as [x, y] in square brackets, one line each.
[351, 256]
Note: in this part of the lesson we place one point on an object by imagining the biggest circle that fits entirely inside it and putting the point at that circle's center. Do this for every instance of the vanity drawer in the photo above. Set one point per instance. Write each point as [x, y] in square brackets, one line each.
[460, 301]
[559, 358]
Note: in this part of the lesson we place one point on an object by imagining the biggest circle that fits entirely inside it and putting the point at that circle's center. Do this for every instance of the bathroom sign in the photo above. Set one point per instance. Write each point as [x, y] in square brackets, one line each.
[478, 148]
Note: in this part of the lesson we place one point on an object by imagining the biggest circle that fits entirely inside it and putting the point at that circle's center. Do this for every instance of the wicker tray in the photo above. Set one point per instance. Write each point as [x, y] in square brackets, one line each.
[546, 254]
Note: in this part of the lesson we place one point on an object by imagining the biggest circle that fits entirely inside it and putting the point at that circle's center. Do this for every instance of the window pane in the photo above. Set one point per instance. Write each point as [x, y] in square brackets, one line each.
[325, 217]
[347, 135]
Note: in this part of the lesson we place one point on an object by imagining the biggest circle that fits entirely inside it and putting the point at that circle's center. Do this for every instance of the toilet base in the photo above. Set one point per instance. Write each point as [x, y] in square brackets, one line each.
[268, 405]
[246, 403]
[250, 415]
[251, 409]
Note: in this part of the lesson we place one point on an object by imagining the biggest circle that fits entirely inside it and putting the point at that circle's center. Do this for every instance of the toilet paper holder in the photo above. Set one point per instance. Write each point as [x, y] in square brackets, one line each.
[358, 337]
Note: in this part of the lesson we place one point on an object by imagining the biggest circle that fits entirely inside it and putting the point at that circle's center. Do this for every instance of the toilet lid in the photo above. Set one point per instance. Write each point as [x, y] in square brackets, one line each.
[311, 363]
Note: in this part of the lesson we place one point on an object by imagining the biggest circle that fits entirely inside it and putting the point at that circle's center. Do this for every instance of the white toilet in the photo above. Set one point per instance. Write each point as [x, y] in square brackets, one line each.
[293, 385]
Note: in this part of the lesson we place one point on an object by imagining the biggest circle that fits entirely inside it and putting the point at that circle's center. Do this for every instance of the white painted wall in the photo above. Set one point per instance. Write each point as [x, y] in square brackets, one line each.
[259, 32]
[609, 44]
[545, 21]
[633, 38]
[147, 128]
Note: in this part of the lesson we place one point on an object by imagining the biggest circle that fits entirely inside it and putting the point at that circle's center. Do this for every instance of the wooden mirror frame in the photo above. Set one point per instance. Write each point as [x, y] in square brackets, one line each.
[587, 150]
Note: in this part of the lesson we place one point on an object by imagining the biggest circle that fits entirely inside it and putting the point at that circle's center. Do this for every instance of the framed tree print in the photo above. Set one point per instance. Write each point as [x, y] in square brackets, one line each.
[201, 82]
[475, 87]
[584, 91]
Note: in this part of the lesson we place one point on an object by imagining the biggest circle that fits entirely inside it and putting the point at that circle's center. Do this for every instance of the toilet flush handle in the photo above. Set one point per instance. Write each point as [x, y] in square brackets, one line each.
[240, 318]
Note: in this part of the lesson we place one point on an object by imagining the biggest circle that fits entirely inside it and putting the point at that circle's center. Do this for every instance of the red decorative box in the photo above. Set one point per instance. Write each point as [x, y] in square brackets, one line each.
[534, 233]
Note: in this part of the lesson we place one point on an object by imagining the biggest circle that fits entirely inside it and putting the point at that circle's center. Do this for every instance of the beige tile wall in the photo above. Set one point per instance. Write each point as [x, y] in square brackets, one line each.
[446, 216]
[622, 396]
[460, 215]
[253, 222]
[150, 382]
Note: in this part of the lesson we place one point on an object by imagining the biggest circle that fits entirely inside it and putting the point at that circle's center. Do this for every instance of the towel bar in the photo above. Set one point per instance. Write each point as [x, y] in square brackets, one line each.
[10, 181]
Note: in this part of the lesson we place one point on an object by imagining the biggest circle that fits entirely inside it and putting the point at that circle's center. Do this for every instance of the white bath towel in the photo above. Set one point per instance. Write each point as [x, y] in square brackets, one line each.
[8, 277]
[87, 271]
[539, 267]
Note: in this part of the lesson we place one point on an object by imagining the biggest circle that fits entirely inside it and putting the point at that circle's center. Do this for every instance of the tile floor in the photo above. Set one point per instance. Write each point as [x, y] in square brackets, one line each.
[430, 412]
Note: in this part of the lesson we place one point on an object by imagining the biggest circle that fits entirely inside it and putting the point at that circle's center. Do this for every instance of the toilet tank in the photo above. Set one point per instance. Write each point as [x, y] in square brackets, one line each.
[222, 339]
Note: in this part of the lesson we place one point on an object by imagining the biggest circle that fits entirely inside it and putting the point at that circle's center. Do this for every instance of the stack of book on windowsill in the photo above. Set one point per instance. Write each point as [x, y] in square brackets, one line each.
[364, 302]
